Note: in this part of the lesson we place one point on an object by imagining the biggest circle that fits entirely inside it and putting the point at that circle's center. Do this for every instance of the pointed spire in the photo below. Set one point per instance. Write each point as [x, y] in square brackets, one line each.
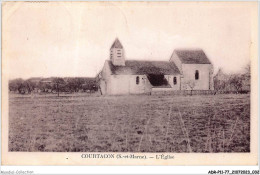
[117, 44]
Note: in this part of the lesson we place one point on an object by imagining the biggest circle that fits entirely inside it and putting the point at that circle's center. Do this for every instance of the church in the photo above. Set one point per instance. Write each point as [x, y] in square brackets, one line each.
[187, 69]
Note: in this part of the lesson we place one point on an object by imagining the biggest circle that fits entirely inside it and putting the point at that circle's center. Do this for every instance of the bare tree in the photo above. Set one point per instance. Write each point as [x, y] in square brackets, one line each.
[236, 82]
[248, 71]
[191, 84]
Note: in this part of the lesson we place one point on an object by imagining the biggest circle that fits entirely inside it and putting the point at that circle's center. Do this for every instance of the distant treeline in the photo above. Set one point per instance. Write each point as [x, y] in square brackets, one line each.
[53, 85]
[233, 83]
[223, 83]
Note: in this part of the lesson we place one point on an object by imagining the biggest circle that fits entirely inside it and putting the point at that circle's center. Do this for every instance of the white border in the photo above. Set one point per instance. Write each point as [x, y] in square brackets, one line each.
[122, 169]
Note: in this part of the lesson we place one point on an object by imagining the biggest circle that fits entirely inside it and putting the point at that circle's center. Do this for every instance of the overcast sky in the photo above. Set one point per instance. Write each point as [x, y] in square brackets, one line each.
[73, 39]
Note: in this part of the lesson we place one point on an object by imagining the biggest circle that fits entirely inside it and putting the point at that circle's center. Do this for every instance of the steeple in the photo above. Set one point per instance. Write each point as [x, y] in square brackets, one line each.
[117, 55]
[117, 44]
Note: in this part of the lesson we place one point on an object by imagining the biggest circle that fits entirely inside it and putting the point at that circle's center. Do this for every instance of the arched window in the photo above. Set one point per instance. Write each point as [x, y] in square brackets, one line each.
[137, 80]
[174, 80]
[196, 75]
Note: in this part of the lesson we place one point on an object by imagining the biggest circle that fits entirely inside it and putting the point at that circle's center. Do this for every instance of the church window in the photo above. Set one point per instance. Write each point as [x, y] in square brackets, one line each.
[174, 80]
[137, 80]
[196, 75]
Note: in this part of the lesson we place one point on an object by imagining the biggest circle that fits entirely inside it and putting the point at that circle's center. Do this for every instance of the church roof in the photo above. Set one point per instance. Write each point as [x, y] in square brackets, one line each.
[136, 67]
[192, 56]
[117, 44]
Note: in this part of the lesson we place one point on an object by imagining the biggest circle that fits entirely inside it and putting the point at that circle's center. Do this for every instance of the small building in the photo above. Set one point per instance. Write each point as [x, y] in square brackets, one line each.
[187, 69]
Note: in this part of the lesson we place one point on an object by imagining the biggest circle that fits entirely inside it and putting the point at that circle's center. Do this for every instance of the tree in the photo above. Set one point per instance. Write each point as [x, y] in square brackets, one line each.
[57, 83]
[26, 87]
[236, 82]
[191, 84]
[44, 86]
[30, 86]
[75, 84]
[22, 88]
[247, 73]
[221, 81]
[218, 84]
[78, 83]
[246, 78]
[15, 84]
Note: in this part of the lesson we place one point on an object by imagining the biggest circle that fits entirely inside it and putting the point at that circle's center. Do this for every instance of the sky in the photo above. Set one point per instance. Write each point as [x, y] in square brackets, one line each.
[72, 39]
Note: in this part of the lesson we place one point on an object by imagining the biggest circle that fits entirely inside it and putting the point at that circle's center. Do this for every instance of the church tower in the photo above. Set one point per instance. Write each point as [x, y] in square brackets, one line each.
[117, 55]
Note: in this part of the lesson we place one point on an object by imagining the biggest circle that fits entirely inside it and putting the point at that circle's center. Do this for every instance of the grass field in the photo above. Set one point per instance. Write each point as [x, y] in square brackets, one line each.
[91, 123]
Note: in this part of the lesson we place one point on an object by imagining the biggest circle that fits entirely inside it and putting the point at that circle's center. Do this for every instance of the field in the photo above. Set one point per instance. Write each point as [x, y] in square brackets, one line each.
[137, 123]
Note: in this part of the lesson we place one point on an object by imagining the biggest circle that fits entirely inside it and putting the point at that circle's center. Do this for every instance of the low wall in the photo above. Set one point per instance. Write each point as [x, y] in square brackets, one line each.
[162, 89]
[233, 92]
[184, 92]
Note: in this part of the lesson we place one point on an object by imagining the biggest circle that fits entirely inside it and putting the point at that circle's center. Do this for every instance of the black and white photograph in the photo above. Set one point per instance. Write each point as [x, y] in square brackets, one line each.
[130, 77]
